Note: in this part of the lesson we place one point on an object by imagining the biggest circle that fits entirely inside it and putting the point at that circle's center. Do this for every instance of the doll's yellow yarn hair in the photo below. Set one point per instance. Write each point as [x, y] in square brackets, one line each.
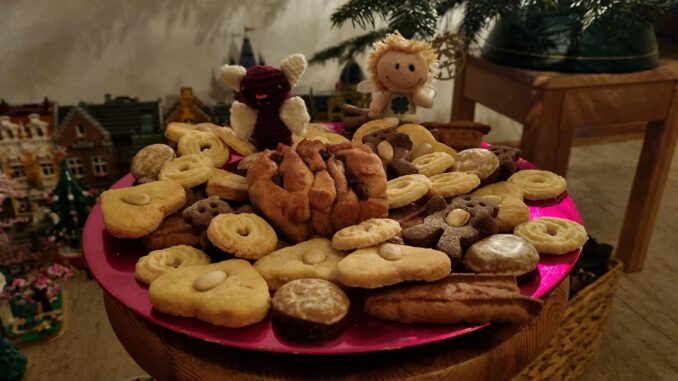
[396, 42]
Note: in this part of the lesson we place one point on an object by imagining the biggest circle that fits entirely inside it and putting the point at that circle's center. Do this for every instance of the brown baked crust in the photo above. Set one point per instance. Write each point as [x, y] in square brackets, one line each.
[458, 298]
[173, 231]
[318, 188]
[459, 134]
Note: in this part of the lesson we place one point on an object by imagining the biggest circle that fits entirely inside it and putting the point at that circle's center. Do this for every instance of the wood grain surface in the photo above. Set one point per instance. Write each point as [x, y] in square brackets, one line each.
[168, 355]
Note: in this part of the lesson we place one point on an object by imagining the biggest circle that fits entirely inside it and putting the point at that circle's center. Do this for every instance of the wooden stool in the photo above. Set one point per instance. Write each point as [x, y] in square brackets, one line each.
[551, 105]
[494, 353]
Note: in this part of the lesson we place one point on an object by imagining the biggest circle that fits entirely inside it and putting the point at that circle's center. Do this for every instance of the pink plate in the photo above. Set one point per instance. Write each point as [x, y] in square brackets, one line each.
[111, 261]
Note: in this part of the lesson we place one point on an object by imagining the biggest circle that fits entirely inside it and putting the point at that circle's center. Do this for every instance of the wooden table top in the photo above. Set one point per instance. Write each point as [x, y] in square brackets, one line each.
[495, 353]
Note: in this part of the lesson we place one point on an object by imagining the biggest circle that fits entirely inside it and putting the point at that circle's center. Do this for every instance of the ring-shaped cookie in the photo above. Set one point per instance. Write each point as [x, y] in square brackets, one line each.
[365, 234]
[206, 144]
[244, 235]
[406, 189]
[227, 135]
[188, 170]
[433, 163]
[450, 184]
[539, 185]
[158, 262]
[552, 235]
[480, 161]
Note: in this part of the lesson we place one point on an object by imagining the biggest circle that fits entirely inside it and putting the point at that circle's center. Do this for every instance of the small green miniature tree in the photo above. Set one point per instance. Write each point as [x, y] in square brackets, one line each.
[70, 205]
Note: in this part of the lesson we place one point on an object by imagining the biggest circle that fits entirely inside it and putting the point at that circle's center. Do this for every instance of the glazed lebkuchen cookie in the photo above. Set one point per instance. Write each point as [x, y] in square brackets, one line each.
[317, 188]
[457, 298]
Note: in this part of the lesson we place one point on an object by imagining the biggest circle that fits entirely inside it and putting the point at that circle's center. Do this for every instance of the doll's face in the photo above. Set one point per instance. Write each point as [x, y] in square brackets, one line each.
[401, 72]
[264, 87]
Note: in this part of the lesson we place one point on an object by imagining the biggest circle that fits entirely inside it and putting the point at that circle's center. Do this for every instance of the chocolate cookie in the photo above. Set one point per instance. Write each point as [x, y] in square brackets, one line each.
[507, 160]
[203, 211]
[393, 149]
[172, 232]
[464, 221]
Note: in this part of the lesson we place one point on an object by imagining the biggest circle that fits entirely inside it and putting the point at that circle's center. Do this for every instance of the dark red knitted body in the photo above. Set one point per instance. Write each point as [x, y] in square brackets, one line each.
[265, 89]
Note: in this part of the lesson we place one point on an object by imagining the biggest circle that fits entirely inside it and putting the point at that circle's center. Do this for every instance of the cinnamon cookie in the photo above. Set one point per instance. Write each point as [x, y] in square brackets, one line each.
[458, 298]
[406, 189]
[552, 235]
[158, 262]
[539, 185]
[388, 264]
[367, 233]
[505, 254]
[188, 170]
[314, 258]
[244, 235]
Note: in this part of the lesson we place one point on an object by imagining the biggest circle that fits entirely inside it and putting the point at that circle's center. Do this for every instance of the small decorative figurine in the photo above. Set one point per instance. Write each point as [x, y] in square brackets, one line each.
[401, 72]
[265, 111]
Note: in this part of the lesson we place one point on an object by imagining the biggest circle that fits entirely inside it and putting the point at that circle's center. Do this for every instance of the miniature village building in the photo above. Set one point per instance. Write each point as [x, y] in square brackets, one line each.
[27, 157]
[188, 109]
[131, 125]
[89, 150]
[327, 107]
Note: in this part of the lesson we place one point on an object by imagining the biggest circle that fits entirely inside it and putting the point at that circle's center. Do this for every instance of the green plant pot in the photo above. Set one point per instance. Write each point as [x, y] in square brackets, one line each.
[546, 42]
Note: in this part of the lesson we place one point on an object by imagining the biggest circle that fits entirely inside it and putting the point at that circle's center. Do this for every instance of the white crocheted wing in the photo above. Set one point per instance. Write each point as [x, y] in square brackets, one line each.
[293, 113]
[243, 120]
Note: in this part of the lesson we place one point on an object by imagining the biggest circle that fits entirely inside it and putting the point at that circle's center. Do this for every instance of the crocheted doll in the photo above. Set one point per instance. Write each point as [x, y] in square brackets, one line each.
[264, 110]
[401, 71]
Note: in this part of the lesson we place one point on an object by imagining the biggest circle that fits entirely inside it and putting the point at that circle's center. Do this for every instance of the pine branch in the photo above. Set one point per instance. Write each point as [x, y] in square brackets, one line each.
[415, 18]
[346, 49]
[361, 12]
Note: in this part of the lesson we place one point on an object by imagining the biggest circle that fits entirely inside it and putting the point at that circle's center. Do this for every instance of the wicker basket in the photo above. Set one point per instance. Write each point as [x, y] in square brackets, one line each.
[576, 343]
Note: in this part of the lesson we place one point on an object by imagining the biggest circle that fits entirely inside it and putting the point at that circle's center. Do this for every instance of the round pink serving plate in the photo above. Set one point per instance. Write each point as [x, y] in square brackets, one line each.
[112, 260]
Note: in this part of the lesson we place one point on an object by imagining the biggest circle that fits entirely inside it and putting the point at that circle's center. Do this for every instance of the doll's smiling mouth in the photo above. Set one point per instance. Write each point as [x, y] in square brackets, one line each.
[261, 96]
[404, 87]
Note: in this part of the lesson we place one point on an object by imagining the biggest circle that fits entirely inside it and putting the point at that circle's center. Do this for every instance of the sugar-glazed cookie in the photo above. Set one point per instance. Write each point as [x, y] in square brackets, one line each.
[134, 212]
[388, 264]
[188, 170]
[148, 162]
[158, 262]
[367, 233]
[433, 163]
[553, 235]
[502, 254]
[451, 184]
[227, 185]
[204, 143]
[244, 235]
[229, 293]
[406, 189]
[539, 185]
[480, 161]
[314, 258]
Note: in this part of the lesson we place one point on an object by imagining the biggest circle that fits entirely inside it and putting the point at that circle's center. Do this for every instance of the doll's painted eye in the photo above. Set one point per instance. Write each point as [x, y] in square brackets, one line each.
[411, 67]
[397, 66]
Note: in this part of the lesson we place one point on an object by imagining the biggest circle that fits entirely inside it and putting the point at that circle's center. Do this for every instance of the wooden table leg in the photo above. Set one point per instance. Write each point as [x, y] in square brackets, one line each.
[463, 108]
[648, 185]
[543, 143]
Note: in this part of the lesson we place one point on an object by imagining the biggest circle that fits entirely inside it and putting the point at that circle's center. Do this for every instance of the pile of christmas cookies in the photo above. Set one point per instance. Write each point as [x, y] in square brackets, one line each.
[392, 222]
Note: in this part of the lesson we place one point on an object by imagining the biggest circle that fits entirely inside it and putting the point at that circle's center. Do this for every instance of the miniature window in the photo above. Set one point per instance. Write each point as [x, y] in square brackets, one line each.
[76, 168]
[146, 123]
[23, 206]
[99, 165]
[79, 130]
[42, 202]
[18, 171]
[47, 169]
